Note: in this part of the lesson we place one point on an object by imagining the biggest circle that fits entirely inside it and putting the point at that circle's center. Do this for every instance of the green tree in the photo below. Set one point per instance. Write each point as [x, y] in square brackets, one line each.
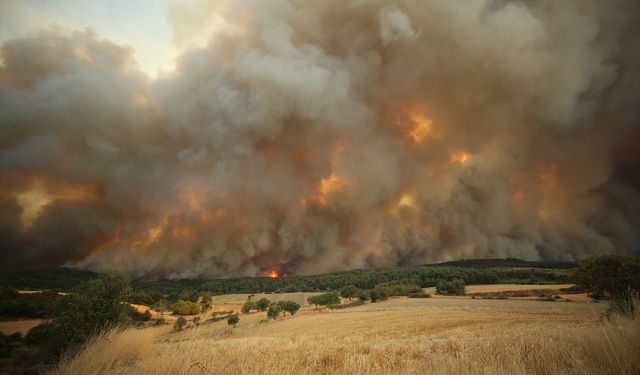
[179, 324]
[233, 320]
[248, 306]
[288, 306]
[383, 292]
[349, 292]
[324, 299]
[615, 277]
[363, 295]
[263, 304]
[373, 295]
[273, 311]
[96, 306]
[454, 287]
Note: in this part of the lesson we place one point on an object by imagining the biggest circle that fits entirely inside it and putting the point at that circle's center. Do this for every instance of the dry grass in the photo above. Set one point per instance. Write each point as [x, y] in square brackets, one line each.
[412, 336]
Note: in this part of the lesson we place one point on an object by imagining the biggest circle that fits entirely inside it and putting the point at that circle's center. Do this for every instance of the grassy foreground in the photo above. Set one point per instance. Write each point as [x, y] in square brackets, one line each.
[412, 336]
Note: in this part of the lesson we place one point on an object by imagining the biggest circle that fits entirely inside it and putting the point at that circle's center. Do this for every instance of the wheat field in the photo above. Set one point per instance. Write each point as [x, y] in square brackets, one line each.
[407, 336]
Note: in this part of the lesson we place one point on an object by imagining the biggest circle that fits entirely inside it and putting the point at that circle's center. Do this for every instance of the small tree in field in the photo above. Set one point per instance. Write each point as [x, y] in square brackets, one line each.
[179, 324]
[248, 306]
[233, 320]
[454, 287]
[349, 292]
[373, 295]
[263, 304]
[289, 306]
[324, 299]
[274, 311]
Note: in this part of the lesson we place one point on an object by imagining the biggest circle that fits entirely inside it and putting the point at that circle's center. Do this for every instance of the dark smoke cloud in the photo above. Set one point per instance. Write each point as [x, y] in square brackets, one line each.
[313, 136]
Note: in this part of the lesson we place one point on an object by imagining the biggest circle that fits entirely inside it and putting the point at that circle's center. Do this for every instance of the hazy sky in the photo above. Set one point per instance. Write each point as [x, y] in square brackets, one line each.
[141, 24]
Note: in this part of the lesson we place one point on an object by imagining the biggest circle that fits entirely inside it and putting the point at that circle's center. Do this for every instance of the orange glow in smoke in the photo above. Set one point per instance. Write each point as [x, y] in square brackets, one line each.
[41, 192]
[329, 185]
[459, 157]
[421, 127]
[273, 274]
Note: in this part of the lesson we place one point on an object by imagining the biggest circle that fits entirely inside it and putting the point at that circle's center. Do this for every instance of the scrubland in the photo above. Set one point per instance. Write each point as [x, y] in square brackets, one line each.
[413, 336]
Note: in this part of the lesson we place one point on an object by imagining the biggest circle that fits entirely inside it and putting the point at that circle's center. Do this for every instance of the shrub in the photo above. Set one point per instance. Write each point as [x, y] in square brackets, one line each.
[233, 320]
[454, 287]
[183, 307]
[248, 306]
[179, 324]
[346, 305]
[263, 304]
[274, 311]
[420, 294]
[324, 299]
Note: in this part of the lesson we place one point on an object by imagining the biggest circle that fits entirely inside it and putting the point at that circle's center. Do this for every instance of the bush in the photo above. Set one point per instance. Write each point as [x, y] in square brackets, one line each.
[420, 294]
[233, 320]
[183, 307]
[274, 311]
[179, 324]
[263, 304]
[454, 287]
[248, 306]
[324, 299]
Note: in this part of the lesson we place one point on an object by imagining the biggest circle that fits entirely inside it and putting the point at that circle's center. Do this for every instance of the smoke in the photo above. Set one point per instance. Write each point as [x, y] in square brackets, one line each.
[314, 136]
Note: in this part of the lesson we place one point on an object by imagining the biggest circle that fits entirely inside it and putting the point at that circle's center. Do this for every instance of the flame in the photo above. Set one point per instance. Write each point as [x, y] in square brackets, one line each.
[274, 273]
[459, 157]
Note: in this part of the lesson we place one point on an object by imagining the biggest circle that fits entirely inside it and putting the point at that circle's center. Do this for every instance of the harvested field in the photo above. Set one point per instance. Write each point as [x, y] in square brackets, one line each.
[401, 335]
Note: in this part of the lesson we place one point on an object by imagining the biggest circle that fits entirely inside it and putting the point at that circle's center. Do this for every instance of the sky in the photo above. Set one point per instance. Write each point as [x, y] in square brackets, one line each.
[137, 23]
[218, 138]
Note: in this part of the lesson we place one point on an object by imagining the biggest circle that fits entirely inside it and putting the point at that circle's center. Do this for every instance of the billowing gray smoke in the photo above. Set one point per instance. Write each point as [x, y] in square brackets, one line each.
[310, 136]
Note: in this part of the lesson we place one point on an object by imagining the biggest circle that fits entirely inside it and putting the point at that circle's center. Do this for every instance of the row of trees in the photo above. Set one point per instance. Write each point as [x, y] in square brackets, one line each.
[423, 276]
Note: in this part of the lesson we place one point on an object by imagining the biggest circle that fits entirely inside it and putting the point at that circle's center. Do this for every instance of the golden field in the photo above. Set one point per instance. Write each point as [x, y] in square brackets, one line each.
[440, 335]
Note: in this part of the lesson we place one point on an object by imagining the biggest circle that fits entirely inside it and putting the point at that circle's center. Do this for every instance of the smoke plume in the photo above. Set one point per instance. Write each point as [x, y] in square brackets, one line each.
[306, 137]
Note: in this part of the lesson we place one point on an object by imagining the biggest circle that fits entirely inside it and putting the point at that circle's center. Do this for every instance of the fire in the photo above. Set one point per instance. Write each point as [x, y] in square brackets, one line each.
[274, 273]
[459, 157]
